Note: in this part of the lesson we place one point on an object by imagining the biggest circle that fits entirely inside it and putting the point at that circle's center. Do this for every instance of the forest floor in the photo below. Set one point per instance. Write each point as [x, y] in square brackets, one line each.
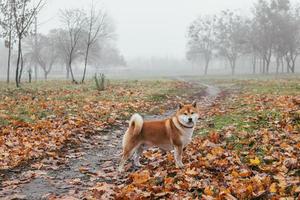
[63, 141]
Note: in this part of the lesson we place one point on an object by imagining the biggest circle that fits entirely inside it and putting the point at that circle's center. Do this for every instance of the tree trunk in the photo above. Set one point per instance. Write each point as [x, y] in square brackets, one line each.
[8, 58]
[18, 63]
[35, 71]
[232, 65]
[85, 62]
[294, 59]
[277, 64]
[206, 66]
[233, 68]
[264, 66]
[29, 76]
[282, 65]
[267, 66]
[9, 45]
[68, 70]
[269, 60]
[71, 71]
[293, 66]
[260, 65]
[22, 67]
[254, 64]
[288, 63]
[44, 67]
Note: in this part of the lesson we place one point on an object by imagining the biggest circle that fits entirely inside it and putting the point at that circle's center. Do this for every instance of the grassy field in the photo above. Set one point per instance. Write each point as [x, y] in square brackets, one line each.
[34, 102]
[247, 96]
[42, 116]
[246, 146]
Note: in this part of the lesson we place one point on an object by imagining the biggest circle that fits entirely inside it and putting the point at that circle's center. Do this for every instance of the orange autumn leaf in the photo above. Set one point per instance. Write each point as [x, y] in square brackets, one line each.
[191, 172]
[208, 191]
[168, 180]
[245, 173]
[289, 128]
[217, 151]
[140, 177]
[111, 120]
[273, 188]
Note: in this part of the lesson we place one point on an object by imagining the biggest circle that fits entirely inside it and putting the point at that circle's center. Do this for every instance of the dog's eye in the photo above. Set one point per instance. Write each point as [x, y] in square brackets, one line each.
[185, 113]
[192, 113]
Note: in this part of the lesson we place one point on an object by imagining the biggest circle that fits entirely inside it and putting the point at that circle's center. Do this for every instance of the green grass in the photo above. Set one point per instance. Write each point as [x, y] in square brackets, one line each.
[157, 97]
[41, 99]
[4, 122]
[279, 87]
[242, 115]
[241, 121]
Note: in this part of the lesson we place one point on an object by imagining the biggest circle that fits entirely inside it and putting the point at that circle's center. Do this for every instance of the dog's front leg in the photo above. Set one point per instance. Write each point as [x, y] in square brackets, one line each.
[178, 156]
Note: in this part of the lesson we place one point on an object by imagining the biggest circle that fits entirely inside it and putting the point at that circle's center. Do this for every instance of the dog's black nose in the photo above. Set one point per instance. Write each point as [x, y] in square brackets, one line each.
[190, 119]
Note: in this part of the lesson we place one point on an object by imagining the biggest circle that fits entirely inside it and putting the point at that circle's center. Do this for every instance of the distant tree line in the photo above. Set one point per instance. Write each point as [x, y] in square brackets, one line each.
[16, 19]
[270, 35]
[85, 36]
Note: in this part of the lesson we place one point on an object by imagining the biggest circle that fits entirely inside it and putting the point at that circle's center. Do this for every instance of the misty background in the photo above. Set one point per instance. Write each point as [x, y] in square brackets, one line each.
[147, 38]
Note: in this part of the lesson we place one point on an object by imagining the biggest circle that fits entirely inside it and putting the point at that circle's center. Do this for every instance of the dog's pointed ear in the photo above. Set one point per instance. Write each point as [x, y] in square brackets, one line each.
[194, 104]
[180, 105]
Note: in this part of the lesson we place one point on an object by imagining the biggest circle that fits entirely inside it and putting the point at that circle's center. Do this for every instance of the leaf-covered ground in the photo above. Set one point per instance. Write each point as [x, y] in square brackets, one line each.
[248, 147]
[39, 119]
[247, 144]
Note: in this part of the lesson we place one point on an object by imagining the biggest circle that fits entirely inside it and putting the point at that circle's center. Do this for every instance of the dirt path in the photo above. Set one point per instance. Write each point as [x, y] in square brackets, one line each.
[80, 168]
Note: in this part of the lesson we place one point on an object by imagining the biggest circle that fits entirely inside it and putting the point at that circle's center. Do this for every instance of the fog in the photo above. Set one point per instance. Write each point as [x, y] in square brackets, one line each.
[153, 38]
[148, 28]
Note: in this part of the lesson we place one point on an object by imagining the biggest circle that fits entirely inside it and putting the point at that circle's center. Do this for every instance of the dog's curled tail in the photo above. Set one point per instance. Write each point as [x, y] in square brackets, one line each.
[136, 124]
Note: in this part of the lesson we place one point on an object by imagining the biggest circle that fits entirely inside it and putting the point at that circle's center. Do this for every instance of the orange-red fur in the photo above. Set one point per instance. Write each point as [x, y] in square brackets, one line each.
[172, 133]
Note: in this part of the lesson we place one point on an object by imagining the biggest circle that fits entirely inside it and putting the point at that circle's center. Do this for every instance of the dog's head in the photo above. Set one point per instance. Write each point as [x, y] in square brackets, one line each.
[187, 114]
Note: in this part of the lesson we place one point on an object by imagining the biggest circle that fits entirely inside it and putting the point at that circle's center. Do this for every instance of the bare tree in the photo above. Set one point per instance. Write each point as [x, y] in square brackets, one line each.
[23, 14]
[97, 27]
[74, 21]
[271, 34]
[47, 58]
[8, 33]
[279, 16]
[60, 41]
[42, 49]
[231, 36]
[201, 39]
[276, 28]
[292, 39]
[108, 56]
[264, 29]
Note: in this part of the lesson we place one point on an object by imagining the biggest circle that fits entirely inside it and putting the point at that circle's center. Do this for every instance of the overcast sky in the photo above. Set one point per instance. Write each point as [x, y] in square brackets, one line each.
[147, 28]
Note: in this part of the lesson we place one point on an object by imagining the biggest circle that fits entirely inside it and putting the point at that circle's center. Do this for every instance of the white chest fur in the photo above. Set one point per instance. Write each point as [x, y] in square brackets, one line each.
[186, 137]
[186, 133]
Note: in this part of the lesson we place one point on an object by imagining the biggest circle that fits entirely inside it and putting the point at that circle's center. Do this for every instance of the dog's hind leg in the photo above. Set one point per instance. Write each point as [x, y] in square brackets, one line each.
[136, 158]
[128, 150]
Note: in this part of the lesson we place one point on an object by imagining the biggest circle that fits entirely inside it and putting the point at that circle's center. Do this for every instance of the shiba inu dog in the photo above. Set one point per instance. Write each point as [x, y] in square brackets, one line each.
[173, 133]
